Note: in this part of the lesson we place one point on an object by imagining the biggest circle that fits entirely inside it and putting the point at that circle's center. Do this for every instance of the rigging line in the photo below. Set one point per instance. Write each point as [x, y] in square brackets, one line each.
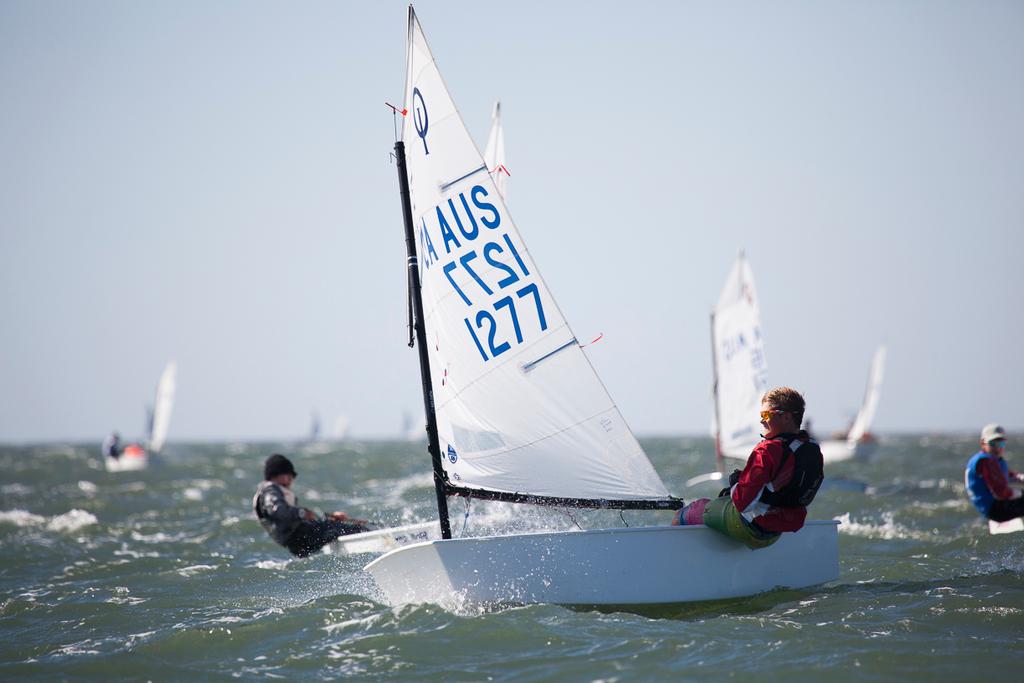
[394, 116]
[622, 516]
[572, 517]
[465, 517]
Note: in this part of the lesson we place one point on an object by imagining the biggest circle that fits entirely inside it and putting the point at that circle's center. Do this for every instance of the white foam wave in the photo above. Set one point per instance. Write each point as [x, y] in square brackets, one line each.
[195, 569]
[162, 538]
[192, 493]
[72, 521]
[887, 529]
[20, 518]
[272, 564]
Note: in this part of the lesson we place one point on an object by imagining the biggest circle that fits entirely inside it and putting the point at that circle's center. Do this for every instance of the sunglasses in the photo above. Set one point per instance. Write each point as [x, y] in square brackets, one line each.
[767, 414]
[998, 443]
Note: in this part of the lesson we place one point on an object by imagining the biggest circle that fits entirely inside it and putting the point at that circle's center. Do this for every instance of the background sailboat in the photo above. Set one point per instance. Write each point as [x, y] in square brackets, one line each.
[163, 404]
[515, 412]
[858, 441]
[136, 457]
[739, 371]
[314, 427]
[739, 367]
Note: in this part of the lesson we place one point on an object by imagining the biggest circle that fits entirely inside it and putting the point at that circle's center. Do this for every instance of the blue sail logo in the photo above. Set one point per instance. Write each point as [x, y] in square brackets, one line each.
[452, 455]
[419, 117]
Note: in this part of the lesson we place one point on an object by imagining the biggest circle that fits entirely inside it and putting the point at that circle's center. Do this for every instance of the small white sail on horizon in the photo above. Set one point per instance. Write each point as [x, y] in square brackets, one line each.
[858, 441]
[869, 406]
[740, 368]
[163, 404]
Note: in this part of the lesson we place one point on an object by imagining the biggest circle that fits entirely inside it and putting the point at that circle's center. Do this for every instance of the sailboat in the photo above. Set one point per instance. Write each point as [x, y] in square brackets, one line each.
[314, 427]
[163, 404]
[135, 456]
[739, 368]
[858, 441]
[515, 412]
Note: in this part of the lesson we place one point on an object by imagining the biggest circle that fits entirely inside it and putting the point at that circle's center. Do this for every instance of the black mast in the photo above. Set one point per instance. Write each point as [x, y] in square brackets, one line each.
[433, 445]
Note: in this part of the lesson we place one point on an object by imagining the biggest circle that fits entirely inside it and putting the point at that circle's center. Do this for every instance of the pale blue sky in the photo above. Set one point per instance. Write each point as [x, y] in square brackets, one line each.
[210, 182]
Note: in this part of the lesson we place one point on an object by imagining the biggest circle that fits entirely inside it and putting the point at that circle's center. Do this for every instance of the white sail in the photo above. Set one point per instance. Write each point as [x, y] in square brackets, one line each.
[162, 407]
[494, 154]
[862, 423]
[519, 408]
[741, 373]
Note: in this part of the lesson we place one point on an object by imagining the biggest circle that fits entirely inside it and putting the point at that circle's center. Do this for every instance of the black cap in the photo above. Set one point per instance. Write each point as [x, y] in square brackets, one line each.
[277, 464]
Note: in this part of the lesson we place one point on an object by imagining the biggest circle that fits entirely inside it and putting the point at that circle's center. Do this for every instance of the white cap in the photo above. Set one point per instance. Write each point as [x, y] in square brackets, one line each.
[992, 432]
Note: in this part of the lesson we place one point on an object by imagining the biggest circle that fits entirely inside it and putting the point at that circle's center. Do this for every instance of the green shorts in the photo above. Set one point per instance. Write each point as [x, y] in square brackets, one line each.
[722, 516]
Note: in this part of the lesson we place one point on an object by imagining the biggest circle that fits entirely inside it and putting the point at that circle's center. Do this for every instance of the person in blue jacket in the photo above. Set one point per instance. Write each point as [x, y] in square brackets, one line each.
[987, 478]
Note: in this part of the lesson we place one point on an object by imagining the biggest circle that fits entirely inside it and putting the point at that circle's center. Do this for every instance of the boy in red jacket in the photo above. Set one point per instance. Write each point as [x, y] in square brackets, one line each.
[779, 481]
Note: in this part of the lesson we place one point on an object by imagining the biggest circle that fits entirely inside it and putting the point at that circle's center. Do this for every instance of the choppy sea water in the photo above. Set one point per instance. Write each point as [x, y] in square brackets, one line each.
[164, 575]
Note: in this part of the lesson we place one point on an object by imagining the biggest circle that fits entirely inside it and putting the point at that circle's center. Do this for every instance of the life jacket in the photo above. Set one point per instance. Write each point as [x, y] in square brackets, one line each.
[977, 489]
[280, 527]
[288, 495]
[808, 472]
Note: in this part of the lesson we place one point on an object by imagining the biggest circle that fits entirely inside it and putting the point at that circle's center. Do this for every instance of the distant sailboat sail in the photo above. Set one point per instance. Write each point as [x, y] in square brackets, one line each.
[858, 441]
[866, 414]
[519, 410]
[494, 154]
[314, 426]
[740, 369]
[162, 407]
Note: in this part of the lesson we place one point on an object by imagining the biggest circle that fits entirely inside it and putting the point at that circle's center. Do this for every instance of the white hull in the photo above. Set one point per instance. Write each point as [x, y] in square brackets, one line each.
[127, 463]
[383, 540]
[1006, 527]
[838, 451]
[630, 566]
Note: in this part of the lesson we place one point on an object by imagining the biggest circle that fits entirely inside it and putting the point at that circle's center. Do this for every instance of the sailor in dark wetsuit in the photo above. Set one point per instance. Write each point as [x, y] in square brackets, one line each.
[296, 528]
[112, 446]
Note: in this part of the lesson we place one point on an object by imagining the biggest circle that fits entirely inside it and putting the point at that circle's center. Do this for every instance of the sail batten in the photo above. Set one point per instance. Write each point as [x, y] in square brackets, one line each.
[505, 427]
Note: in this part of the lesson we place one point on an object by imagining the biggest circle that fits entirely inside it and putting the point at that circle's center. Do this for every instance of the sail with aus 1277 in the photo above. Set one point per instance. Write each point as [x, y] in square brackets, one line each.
[515, 412]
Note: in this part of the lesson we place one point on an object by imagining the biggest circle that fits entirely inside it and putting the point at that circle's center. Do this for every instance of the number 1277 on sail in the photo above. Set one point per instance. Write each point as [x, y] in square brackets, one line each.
[484, 319]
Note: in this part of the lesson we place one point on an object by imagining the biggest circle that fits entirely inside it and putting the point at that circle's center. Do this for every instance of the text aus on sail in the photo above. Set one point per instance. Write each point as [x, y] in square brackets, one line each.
[464, 238]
